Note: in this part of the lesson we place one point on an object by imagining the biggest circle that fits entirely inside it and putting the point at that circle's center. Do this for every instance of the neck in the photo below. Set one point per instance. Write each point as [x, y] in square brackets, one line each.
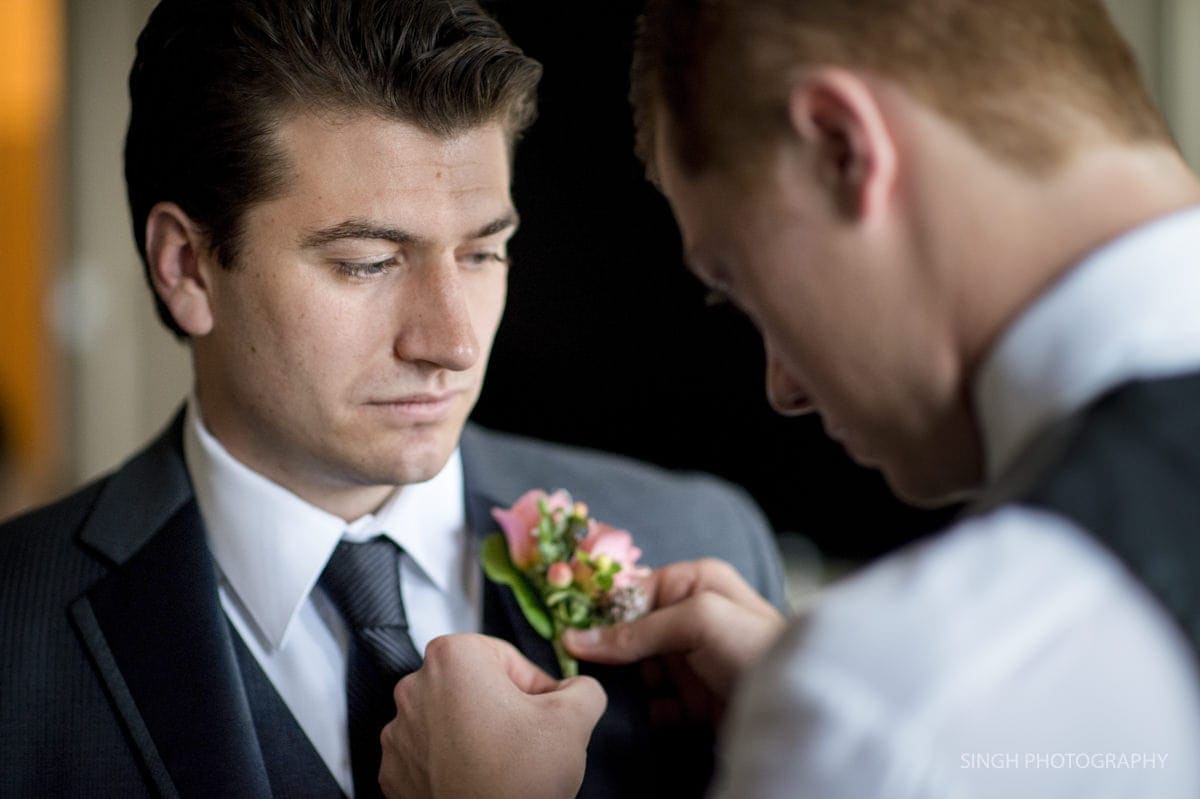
[984, 239]
[344, 498]
[1001, 237]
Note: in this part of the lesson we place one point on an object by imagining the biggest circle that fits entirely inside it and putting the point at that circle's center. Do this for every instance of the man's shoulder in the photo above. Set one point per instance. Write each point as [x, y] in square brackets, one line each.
[1125, 468]
[619, 489]
[77, 537]
[512, 459]
[977, 607]
[43, 565]
[49, 524]
[1018, 616]
[986, 580]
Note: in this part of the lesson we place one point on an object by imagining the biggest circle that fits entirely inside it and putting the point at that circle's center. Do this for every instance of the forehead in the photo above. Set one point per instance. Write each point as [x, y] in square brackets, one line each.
[357, 146]
[370, 167]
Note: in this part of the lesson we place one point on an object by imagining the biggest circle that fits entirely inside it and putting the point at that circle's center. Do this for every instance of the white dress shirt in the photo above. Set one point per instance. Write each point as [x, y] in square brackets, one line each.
[1013, 656]
[270, 547]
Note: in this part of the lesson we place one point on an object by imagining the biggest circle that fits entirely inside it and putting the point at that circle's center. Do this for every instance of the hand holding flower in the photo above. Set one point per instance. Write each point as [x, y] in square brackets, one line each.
[704, 612]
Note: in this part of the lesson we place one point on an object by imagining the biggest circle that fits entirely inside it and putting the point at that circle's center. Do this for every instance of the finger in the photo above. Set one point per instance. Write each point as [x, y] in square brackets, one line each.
[682, 627]
[467, 653]
[524, 674]
[678, 581]
[583, 696]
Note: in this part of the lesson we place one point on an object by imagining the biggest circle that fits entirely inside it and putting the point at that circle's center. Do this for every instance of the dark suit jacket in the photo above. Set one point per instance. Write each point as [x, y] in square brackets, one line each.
[118, 671]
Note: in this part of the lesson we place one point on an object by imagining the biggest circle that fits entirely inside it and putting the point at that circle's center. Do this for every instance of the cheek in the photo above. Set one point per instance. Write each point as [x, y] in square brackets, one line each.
[302, 333]
[273, 297]
[486, 300]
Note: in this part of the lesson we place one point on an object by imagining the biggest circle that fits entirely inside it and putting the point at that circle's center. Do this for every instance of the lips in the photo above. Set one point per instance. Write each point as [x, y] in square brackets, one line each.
[417, 399]
[423, 407]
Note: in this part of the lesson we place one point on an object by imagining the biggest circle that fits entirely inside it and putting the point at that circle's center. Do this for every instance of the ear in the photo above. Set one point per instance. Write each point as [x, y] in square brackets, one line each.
[839, 116]
[180, 265]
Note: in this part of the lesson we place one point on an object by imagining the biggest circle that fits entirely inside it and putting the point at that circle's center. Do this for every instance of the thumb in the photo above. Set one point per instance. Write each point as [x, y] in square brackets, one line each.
[584, 696]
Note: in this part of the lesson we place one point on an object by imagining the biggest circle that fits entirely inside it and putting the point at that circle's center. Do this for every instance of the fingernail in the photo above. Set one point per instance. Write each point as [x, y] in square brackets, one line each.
[583, 639]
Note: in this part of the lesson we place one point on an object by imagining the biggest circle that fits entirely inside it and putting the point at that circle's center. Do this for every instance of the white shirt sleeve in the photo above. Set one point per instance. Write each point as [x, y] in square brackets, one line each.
[1010, 657]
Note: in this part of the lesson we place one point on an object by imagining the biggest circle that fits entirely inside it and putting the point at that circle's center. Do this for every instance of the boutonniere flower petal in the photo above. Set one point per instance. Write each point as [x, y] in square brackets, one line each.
[565, 569]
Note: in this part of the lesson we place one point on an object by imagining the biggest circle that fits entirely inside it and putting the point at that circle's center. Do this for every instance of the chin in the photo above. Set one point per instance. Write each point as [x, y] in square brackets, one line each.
[393, 473]
[415, 459]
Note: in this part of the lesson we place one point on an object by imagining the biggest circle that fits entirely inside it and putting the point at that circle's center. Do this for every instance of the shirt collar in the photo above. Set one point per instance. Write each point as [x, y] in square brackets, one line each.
[1127, 311]
[428, 521]
[271, 546]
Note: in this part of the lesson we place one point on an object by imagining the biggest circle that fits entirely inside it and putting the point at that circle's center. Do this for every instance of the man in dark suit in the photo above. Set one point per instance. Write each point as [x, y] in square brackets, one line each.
[320, 193]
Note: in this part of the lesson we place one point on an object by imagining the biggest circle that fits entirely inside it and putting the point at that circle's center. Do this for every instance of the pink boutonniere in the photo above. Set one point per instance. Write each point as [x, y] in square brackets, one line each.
[565, 568]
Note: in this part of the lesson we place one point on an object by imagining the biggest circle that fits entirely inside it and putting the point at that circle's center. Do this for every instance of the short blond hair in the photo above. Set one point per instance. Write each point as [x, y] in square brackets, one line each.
[1018, 76]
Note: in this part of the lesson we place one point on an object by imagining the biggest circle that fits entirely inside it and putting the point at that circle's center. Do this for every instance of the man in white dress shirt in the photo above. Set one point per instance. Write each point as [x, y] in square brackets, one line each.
[320, 193]
[971, 246]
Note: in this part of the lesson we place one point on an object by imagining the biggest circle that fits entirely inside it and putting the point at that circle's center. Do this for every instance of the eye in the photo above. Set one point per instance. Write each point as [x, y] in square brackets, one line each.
[360, 269]
[482, 258]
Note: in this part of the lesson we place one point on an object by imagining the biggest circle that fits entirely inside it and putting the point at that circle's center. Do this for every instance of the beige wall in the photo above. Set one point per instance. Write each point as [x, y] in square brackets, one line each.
[125, 374]
[1181, 73]
[1166, 36]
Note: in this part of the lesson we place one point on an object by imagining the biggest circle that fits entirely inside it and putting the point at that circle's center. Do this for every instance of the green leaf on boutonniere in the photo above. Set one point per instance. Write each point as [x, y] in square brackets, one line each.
[499, 568]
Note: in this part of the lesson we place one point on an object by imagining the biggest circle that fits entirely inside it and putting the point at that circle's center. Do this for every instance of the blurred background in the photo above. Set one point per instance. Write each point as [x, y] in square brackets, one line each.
[607, 341]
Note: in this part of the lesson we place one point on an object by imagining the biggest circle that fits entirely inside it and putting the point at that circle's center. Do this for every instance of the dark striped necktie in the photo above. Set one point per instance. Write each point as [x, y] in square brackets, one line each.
[363, 581]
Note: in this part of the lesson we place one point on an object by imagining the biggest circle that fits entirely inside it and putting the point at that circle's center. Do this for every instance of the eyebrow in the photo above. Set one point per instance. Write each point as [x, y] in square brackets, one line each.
[362, 229]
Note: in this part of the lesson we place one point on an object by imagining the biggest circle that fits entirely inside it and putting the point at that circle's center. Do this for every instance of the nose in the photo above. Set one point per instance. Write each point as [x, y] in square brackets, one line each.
[438, 329]
[786, 394]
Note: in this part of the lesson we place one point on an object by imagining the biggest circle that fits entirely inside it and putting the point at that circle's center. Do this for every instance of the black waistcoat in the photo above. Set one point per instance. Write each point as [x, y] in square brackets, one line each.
[1127, 470]
[293, 766]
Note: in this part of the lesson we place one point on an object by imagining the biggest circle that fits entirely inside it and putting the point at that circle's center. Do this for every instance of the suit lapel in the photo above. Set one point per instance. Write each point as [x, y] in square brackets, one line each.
[502, 616]
[158, 636]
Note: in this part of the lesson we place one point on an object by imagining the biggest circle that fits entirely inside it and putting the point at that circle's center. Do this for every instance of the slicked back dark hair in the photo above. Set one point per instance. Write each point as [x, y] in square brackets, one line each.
[212, 80]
